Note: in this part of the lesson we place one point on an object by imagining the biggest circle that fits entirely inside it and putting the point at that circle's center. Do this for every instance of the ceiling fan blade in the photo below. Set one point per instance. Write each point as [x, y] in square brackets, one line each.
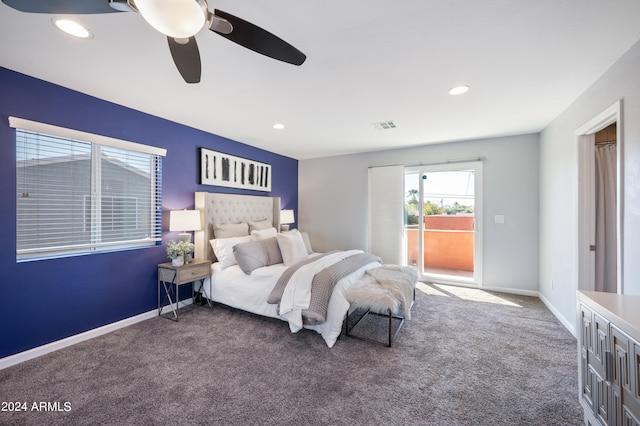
[259, 40]
[71, 7]
[186, 56]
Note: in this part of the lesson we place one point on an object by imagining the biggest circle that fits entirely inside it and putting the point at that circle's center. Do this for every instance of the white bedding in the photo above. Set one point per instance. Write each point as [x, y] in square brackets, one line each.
[232, 287]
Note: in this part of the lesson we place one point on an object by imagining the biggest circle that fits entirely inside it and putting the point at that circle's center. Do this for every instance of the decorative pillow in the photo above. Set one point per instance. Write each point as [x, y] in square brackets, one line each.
[292, 247]
[307, 242]
[273, 251]
[230, 230]
[256, 254]
[259, 225]
[263, 234]
[223, 249]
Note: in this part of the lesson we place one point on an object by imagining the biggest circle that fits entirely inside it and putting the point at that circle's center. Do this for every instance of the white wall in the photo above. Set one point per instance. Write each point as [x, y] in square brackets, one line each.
[333, 199]
[559, 183]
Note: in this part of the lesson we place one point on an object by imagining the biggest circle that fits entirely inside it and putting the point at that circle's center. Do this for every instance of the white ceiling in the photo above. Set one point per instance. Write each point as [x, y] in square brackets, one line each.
[367, 61]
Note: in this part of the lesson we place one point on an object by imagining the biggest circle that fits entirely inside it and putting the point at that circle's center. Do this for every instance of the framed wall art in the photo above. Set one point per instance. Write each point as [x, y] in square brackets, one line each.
[220, 169]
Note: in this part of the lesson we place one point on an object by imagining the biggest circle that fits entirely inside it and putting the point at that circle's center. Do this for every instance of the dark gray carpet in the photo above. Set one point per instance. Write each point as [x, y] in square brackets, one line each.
[467, 357]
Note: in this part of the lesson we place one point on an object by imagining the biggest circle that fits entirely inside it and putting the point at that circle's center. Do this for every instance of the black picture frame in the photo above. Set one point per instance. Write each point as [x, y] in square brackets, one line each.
[220, 169]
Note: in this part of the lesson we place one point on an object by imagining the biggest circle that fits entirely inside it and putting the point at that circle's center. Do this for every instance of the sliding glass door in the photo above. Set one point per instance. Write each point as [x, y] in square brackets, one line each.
[442, 232]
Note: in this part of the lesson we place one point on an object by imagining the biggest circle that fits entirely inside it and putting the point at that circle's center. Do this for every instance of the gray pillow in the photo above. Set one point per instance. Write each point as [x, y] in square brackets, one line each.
[230, 230]
[259, 225]
[256, 254]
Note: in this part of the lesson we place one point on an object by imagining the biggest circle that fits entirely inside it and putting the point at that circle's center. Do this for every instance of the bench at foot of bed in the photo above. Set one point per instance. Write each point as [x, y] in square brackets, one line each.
[380, 303]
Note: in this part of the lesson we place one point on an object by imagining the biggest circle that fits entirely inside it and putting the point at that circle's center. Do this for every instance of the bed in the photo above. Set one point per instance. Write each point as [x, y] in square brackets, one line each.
[262, 290]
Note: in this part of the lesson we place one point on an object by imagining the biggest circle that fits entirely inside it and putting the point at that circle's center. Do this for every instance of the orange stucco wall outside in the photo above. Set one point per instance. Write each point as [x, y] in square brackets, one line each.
[448, 243]
[449, 223]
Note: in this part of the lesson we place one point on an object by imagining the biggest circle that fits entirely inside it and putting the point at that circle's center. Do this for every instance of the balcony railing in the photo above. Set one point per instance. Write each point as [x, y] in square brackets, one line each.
[448, 243]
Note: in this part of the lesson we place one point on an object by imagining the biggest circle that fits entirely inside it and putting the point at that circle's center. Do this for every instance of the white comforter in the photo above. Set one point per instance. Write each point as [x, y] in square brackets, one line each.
[232, 287]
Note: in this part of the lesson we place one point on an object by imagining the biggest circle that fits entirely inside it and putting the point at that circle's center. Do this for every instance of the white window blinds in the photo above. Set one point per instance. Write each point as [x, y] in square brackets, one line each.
[77, 196]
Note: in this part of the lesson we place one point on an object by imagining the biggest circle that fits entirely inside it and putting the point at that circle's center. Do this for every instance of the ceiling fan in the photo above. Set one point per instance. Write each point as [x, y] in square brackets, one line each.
[180, 21]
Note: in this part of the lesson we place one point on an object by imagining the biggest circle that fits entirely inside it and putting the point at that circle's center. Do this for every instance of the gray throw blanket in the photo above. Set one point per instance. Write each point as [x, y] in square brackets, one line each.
[322, 284]
[278, 289]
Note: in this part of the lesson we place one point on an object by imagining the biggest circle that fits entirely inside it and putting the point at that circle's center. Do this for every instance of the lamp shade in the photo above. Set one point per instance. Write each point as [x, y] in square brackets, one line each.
[184, 220]
[286, 217]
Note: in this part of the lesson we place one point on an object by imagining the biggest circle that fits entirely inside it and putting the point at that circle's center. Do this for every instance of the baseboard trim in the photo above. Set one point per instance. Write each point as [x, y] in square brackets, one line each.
[521, 292]
[507, 290]
[569, 325]
[81, 337]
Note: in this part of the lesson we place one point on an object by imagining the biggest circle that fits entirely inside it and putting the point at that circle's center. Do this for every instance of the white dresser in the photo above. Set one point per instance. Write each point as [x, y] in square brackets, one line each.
[609, 358]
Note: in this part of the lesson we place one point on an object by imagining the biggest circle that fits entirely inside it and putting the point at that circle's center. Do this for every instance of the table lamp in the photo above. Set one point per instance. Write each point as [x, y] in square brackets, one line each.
[184, 221]
[286, 218]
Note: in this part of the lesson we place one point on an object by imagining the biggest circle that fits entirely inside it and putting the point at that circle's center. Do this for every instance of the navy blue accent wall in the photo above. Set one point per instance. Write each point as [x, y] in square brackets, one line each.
[47, 300]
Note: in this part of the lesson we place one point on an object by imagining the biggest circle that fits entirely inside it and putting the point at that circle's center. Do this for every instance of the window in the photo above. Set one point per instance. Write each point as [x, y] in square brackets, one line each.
[81, 193]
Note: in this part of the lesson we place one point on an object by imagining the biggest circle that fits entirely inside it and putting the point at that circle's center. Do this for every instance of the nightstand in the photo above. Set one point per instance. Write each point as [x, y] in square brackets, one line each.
[172, 277]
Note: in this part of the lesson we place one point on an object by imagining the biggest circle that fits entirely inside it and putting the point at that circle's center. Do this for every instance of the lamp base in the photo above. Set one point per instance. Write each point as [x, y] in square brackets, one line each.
[284, 228]
[184, 236]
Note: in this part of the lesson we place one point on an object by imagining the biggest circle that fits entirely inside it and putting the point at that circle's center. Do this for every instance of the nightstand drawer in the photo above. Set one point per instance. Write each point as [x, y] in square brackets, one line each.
[197, 272]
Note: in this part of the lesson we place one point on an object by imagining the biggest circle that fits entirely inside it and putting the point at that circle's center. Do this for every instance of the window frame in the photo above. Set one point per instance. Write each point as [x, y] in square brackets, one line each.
[97, 141]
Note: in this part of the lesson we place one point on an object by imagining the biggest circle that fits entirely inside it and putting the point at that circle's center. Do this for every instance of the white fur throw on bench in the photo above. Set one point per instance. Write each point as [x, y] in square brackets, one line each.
[383, 289]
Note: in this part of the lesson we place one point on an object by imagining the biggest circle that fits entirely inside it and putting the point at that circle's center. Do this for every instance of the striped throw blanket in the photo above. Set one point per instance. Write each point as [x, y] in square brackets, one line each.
[307, 286]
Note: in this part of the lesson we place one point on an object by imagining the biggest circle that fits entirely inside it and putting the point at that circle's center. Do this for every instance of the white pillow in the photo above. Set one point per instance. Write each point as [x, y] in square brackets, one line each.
[292, 247]
[223, 249]
[263, 234]
[307, 242]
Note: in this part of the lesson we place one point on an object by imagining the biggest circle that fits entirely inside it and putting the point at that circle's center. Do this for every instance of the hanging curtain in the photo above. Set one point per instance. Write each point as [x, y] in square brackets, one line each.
[606, 278]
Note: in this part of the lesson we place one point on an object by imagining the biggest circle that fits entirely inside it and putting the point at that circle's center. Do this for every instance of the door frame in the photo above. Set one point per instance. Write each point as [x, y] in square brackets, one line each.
[586, 195]
[476, 166]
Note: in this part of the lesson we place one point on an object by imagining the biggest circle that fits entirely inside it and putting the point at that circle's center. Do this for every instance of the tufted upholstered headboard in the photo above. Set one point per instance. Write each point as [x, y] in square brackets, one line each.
[230, 208]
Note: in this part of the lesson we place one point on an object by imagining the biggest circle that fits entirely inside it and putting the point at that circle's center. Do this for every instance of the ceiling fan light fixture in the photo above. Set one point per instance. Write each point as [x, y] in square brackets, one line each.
[458, 90]
[72, 28]
[174, 18]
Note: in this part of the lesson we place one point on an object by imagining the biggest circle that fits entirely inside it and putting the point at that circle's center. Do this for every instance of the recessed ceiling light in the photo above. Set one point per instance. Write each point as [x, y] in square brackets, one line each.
[458, 90]
[278, 126]
[72, 28]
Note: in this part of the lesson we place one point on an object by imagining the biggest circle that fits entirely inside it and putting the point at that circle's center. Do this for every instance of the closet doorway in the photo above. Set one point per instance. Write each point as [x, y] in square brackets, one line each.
[600, 203]
[442, 232]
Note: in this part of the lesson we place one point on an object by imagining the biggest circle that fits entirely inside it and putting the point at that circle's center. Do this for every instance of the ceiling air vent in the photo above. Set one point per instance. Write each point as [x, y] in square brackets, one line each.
[384, 125]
